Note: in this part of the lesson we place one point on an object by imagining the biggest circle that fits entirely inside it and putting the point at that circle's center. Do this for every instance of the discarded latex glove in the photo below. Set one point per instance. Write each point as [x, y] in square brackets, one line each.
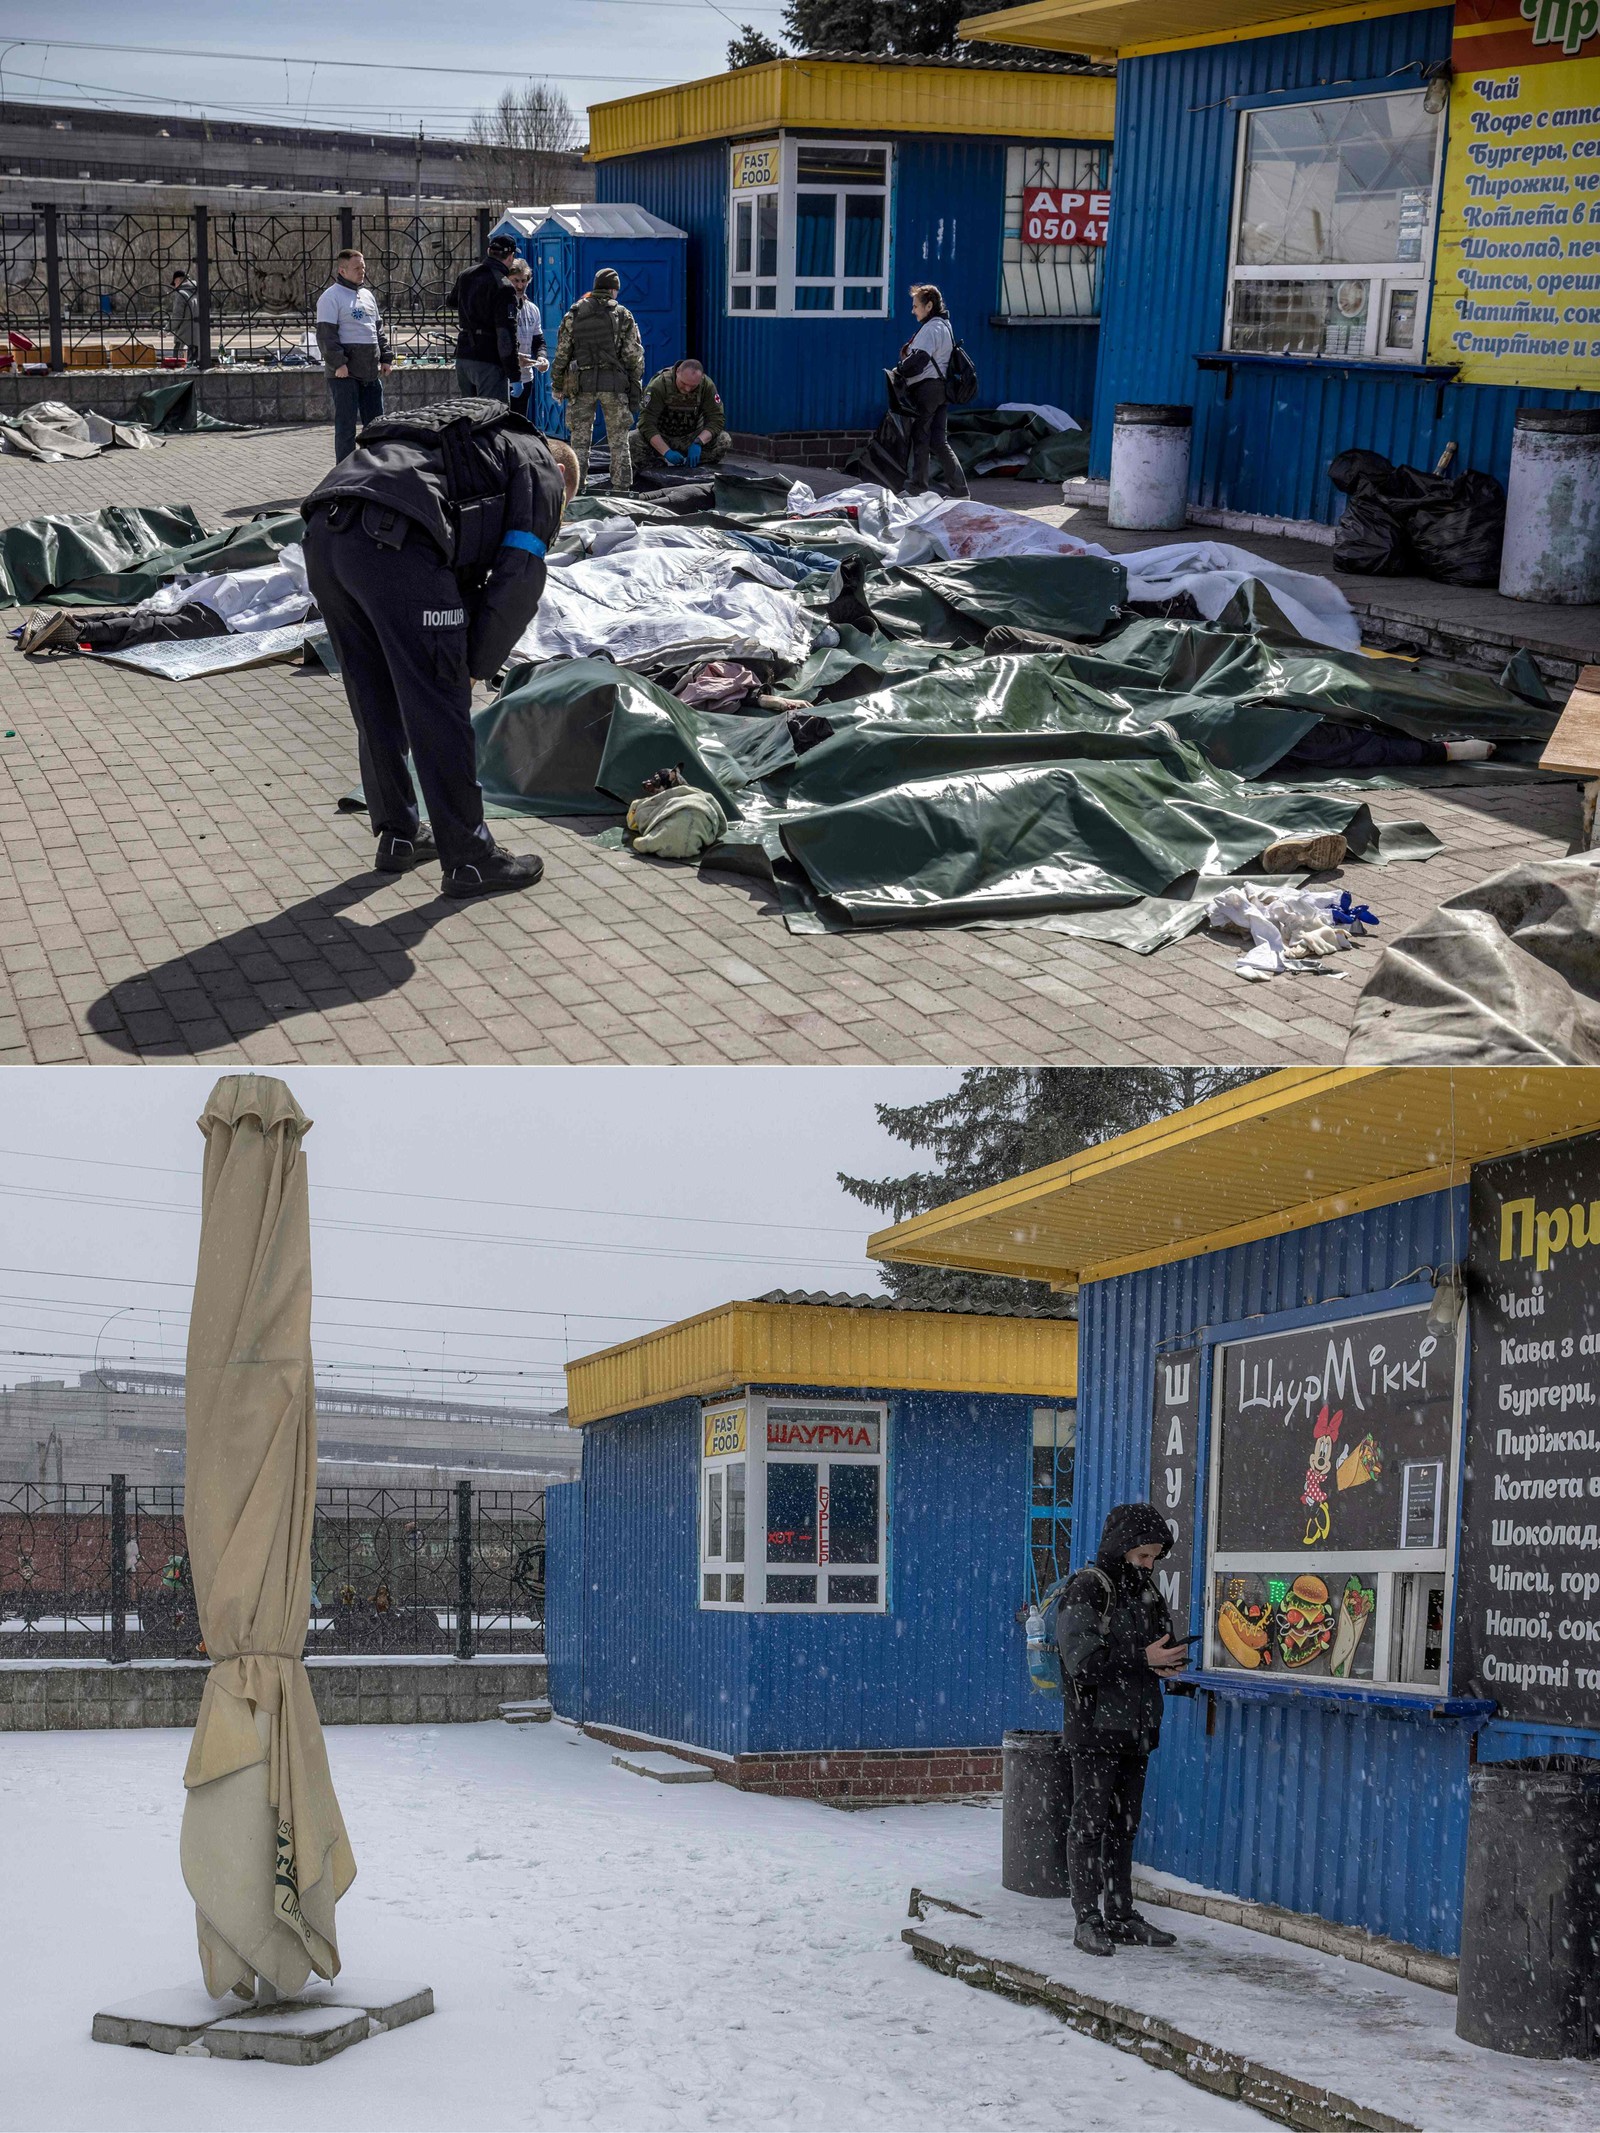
[674, 459]
[1347, 912]
[679, 823]
[1289, 929]
[693, 453]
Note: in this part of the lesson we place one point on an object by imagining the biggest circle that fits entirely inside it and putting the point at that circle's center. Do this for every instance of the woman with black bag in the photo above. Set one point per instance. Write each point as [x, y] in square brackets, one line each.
[920, 374]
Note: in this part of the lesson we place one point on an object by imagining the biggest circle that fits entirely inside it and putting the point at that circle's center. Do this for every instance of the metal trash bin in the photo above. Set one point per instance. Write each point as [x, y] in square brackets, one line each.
[1552, 543]
[1038, 1801]
[1528, 1927]
[1149, 465]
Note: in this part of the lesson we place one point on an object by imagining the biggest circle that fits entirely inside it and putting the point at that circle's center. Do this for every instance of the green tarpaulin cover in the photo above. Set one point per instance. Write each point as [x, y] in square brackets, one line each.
[985, 437]
[118, 556]
[176, 407]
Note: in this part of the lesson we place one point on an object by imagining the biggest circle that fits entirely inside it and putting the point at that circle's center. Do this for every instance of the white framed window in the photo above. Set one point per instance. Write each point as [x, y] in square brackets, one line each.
[808, 228]
[1041, 275]
[793, 1505]
[1334, 215]
[1332, 1501]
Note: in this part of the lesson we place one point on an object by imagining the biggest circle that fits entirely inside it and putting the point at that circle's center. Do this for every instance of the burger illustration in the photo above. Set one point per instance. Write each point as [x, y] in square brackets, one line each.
[1305, 1621]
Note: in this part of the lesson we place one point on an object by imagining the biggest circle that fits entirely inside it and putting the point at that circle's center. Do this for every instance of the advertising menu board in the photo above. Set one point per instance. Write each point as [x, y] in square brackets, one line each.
[1174, 1431]
[1517, 285]
[1528, 1594]
[1335, 1437]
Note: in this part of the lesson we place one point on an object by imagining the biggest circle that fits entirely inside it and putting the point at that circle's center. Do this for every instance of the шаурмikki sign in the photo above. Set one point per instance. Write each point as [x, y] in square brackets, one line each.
[1517, 287]
[1528, 1596]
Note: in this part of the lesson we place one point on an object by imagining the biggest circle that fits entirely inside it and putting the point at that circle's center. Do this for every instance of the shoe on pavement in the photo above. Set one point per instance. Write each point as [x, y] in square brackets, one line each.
[1091, 1935]
[1136, 1932]
[398, 855]
[496, 872]
[1305, 855]
[54, 626]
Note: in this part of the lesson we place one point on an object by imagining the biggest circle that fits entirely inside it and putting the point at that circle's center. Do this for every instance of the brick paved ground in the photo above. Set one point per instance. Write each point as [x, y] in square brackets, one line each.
[175, 884]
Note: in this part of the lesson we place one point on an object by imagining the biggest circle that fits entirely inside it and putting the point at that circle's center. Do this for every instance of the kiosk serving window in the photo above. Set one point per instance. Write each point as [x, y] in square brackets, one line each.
[1334, 208]
[808, 227]
[1332, 1474]
[792, 1505]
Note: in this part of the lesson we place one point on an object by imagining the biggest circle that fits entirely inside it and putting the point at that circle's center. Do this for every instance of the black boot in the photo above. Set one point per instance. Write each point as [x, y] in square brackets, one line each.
[1132, 1931]
[398, 855]
[496, 872]
[1091, 1935]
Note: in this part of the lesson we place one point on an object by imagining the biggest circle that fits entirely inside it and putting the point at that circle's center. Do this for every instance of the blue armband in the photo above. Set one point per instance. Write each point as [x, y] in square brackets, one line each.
[530, 541]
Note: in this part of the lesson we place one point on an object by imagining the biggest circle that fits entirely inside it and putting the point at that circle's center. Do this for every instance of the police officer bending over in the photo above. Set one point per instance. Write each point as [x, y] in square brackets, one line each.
[425, 552]
[1115, 1636]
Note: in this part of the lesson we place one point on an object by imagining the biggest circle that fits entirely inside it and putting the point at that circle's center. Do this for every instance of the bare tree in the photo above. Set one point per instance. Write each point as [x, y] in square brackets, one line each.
[520, 151]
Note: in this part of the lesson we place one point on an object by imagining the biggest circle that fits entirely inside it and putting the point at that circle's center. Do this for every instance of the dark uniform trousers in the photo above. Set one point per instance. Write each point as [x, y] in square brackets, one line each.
[1107, 1801]
[398, 622]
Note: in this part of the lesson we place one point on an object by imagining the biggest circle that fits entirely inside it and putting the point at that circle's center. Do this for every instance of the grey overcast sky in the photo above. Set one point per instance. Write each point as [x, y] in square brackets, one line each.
[471, 1226]
[414, 55]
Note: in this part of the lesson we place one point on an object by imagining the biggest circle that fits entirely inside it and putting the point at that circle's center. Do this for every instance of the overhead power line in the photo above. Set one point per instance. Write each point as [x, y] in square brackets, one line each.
[452, 1199]
[403, 1303]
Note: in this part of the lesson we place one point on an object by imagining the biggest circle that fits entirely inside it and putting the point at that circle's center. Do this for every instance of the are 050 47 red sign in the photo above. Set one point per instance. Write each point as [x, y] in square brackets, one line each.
[1053, 215]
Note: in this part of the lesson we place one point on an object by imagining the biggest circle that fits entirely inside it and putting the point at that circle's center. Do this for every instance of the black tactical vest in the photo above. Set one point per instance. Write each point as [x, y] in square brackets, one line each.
[594, 347]
[463, 431]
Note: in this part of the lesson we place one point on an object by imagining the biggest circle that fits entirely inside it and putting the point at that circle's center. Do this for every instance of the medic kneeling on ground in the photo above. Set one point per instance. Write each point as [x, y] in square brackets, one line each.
[681, 424]
[425, 553]
[1116, 1643]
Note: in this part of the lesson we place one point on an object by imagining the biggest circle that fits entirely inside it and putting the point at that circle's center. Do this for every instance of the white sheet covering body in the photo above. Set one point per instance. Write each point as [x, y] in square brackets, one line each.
[268, 598]
[927, 528]
[646, 595]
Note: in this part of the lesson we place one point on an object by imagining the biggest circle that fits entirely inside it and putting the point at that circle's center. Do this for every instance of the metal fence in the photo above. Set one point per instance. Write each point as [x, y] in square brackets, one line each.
[90, 288]
[98, 1570]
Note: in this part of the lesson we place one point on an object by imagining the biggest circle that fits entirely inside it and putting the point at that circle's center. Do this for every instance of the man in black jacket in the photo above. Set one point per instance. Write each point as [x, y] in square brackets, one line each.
[425, 553]
[487, 364]
[1115, 1636]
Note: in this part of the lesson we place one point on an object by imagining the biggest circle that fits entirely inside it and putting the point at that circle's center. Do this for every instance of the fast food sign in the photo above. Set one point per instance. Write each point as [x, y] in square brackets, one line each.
[724, 1431]
[1062, 214]
[1174, 1431]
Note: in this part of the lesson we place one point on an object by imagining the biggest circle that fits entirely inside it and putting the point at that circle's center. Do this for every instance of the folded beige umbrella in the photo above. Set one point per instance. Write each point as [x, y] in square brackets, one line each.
[264, 1849]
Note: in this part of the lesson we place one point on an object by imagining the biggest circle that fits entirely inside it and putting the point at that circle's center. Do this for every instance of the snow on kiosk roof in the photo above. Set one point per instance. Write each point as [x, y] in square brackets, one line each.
[1302, 1146]
[764, 1342]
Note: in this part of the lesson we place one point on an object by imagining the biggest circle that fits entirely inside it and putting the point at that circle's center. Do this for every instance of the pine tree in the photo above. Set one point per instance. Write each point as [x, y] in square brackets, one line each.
[1000, 1122]
[891, 27]
[752, 47]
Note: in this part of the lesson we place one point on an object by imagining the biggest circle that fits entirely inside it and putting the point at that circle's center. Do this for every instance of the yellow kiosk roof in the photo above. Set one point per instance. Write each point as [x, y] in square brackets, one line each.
[1126, 29]
[769, 1343]
[1303, 1145]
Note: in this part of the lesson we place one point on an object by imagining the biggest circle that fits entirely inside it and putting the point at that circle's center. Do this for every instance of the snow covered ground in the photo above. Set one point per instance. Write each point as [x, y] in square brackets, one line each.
[604, 1952]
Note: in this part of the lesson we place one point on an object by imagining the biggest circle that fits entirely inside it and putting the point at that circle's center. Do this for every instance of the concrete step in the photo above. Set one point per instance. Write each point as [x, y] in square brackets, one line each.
[665, 1769]
[534, 1712]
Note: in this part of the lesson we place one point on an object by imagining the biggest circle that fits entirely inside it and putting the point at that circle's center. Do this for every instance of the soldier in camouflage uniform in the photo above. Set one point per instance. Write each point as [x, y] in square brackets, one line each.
[599, 362]
[681, 422]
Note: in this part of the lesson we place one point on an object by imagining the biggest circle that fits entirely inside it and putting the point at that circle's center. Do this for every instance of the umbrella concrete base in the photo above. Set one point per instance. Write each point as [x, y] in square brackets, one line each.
[300, 2031]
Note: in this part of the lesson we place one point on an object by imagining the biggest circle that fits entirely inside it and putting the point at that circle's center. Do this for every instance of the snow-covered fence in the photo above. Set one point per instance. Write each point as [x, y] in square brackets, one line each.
[98, 1570]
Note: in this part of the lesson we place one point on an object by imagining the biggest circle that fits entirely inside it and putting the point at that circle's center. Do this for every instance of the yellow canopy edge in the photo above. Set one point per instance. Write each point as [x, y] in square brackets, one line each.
[819, 1344]
[1303, 1145]
[839, 95]
[1127, 29]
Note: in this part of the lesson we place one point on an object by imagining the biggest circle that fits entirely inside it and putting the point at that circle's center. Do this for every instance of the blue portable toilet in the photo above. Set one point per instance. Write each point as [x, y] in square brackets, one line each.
[567, 246]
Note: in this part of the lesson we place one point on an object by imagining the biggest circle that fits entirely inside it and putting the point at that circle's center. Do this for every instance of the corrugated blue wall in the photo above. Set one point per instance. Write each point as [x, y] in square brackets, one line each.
[563, 1595]
[1354, 1815]
[1267, 448]
[943, 1668]
[820, 373]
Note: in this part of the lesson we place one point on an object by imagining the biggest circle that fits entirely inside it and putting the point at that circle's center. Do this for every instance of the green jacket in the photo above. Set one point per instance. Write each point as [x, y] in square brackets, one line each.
[598, 349]
[679, 417]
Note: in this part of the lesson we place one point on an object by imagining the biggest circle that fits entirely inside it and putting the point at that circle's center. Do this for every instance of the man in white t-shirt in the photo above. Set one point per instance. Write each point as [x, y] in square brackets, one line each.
[354, 349]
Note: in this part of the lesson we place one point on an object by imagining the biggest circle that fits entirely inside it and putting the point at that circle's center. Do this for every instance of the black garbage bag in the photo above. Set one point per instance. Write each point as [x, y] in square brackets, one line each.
[1369, 538]
[1457, 538]
[1401, 521]
[886, 456]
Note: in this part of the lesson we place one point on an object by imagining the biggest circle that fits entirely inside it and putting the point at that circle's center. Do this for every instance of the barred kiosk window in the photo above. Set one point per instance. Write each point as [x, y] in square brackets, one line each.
[812, 1475]
[1334, 211]
[1333, 1462]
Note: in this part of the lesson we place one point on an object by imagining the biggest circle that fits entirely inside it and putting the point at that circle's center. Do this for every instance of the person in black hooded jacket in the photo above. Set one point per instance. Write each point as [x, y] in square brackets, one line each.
[1115, 1637]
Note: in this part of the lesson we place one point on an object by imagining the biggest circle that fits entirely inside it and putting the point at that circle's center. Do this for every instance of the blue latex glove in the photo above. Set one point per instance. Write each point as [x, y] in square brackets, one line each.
[694, 453]
[674, 459]
[1347, 912]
